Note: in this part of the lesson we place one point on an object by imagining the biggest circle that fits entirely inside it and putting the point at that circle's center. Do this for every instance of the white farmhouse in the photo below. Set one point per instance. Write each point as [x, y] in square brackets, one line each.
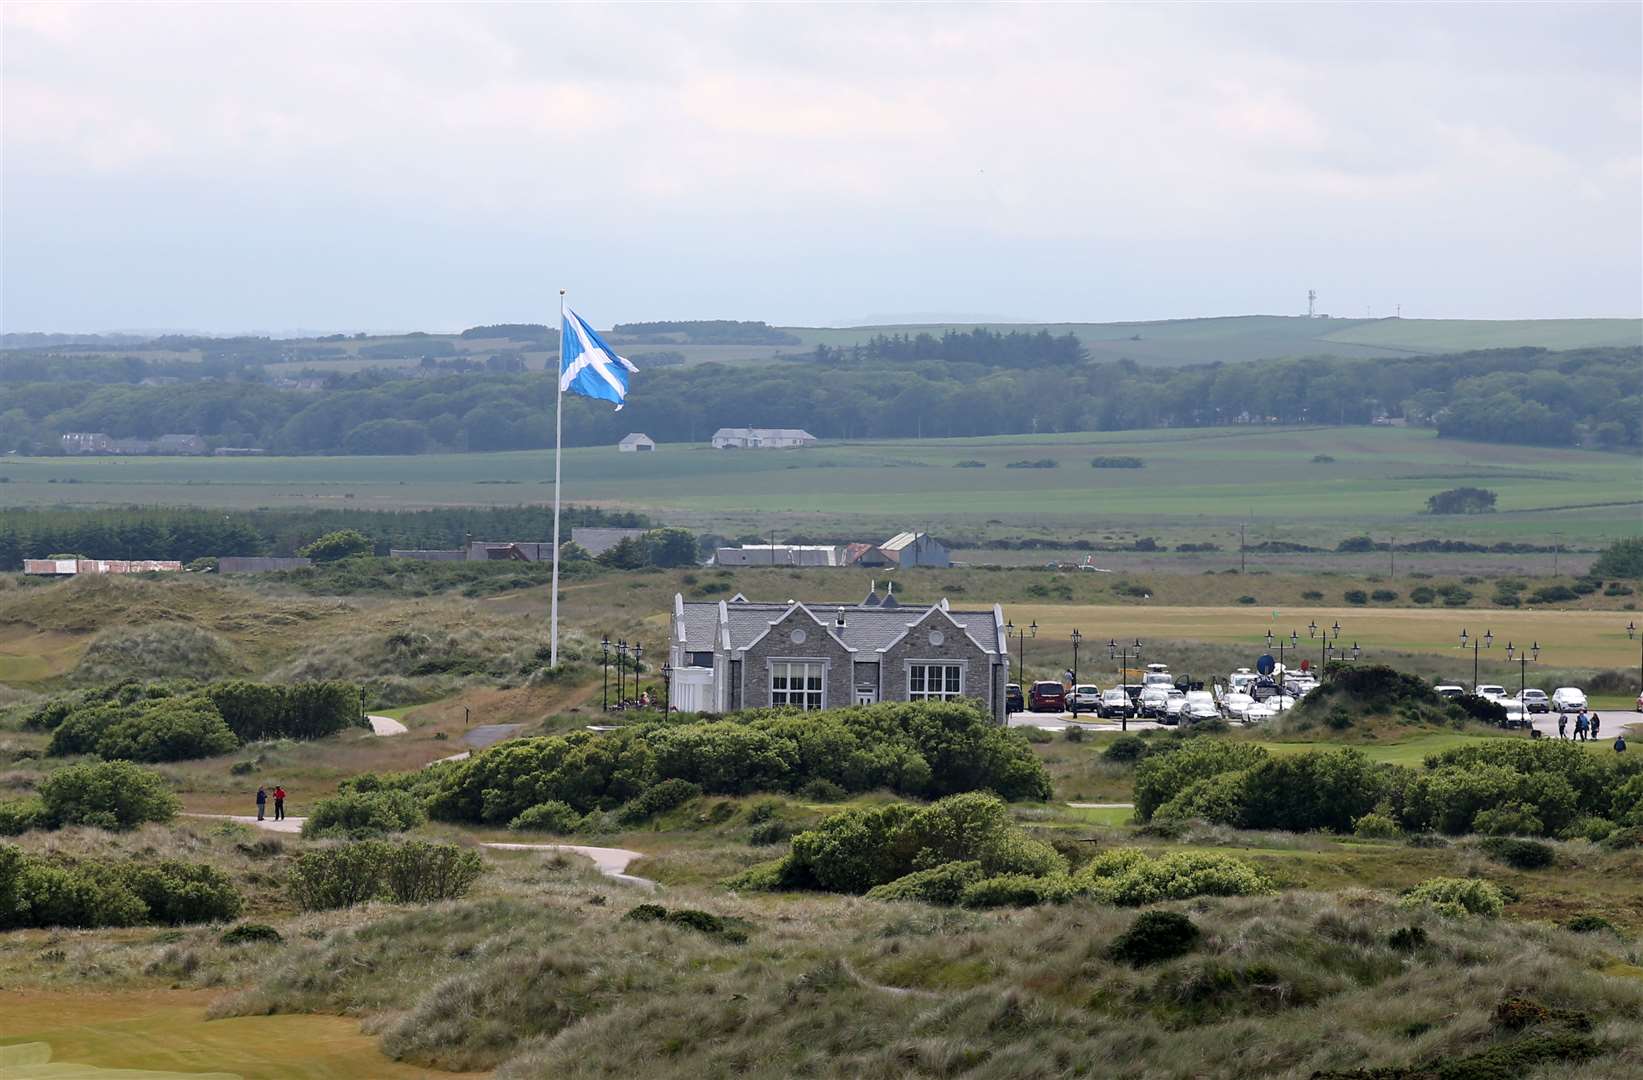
[746, 438]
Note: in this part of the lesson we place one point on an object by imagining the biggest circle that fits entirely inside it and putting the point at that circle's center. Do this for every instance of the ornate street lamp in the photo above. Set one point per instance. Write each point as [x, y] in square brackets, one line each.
[1487, 640]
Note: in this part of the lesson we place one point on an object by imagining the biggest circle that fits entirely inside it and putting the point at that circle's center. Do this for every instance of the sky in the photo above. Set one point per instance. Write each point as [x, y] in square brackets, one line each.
[266, 168]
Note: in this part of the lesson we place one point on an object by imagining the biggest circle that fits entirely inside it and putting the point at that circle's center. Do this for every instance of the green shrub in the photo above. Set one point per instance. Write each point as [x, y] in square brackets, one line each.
[1246, 600]
[1355, 596]
[1376, 826]
[1455, 897]
[108, 795]
[1553, 594]
[178, 892]
[944, 884]
[1154, 936]
[49, 894]
[175, 729]
[419, 872]
[1131, 878]
[338, 877]
[1588, 827]
[307, 710]
[358, 814]
[1017, 890]
[854, 850]
[1126, 748]
[1383, 596]
[20, 815]
[703, 922]
[1422, 594]
[1160, 777]
[658, 799]
[1519, 854]
[52, 891]
[1407, 938]
[251, 934]
[1117, 462]
[1312, 594]
[1590, 924]
[549, 817]
[1454, 595]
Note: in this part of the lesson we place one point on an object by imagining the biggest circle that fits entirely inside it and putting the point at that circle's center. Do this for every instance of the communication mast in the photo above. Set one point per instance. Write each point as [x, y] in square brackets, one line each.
[1311, 303]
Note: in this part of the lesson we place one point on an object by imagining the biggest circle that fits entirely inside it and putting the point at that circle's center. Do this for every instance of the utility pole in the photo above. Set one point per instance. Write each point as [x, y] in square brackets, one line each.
[1240, 549]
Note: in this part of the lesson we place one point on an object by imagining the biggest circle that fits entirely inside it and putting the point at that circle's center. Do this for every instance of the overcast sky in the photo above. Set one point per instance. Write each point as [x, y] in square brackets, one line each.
[243, 167]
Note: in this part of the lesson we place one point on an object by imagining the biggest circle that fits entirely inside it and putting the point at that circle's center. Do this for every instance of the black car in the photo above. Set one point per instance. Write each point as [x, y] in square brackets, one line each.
[1013, 700]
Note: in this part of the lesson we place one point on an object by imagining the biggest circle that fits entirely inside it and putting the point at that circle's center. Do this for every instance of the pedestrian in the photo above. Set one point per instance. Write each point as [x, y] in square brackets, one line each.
[1620, 744]
[1563, 725]
[1580, 728]
[279, 803]
[1593, 727]
[262, 801]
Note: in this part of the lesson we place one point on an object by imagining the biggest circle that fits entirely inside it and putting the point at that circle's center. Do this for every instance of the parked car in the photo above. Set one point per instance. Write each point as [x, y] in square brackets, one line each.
[1174, 702]
[1568, 699]
[1047, 697]
[1236, 704]
[1152, 702]
[1491, 692]
[1085, 697]
[1116, 704]
[1199, 705]
[1448, 691]
[1534, 700]
[1013, 700]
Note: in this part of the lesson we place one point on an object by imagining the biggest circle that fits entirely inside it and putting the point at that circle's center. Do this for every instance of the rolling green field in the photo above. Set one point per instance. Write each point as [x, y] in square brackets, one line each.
[1260, 337]
[1199, 483]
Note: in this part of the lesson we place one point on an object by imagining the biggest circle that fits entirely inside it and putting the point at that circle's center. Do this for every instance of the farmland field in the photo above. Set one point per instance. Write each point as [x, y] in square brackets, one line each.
[1198, 484]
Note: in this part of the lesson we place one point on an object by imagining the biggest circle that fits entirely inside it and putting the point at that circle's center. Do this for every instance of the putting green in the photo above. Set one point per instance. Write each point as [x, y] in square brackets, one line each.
[164, 1035]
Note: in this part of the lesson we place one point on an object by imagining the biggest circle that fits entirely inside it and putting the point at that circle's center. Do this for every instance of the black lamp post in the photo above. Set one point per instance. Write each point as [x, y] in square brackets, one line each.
[1312, 630]
[604, 669]
[1020, 633]
[638, 651]
[1076, 639]
[1631, 632]
[1487, 640]
[621, 670]
[1294, 643]
[1524, 658]
[667, 686]
[1122, 654]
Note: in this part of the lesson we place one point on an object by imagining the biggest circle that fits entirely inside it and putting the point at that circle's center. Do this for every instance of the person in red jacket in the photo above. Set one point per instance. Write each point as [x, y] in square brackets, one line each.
[279, 803]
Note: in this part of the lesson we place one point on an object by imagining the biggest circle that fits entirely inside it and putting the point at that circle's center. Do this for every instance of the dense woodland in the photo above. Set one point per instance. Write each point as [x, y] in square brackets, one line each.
[961, 384]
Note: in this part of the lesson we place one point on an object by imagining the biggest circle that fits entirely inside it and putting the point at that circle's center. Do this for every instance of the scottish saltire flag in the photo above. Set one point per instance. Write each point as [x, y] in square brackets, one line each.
[588, 366]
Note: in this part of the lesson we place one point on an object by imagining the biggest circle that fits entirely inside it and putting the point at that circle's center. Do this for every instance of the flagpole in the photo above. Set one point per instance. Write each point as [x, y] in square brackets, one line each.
[558, 442]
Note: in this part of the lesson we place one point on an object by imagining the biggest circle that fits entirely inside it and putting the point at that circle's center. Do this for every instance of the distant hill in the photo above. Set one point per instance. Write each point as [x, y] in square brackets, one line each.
[1261, 337]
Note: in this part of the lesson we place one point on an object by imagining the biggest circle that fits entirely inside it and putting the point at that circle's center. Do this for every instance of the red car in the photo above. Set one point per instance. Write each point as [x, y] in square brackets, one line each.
[1047, 697]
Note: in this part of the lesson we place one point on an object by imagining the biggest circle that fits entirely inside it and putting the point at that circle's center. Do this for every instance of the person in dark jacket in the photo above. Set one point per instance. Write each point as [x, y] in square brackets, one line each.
[262, 801]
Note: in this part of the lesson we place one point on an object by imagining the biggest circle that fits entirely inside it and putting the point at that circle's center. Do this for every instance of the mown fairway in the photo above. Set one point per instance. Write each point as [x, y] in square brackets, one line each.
[1197, 483]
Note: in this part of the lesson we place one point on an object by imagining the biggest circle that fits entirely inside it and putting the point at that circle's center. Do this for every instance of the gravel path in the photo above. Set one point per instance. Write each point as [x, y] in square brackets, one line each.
[386, 725]
[287, 825]
[612, 862]
[1102, 805]
[486, 734]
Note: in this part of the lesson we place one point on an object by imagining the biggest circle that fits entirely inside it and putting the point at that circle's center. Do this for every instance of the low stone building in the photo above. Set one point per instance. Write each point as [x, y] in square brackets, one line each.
[737, 654]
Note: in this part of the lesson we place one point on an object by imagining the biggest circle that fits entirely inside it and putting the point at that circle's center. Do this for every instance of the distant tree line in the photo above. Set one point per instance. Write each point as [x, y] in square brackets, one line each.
[1502, 395]
[186, 535]
[701, 332]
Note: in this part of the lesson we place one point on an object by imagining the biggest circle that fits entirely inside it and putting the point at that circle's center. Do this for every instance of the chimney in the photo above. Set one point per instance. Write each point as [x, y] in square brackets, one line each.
[840, 621]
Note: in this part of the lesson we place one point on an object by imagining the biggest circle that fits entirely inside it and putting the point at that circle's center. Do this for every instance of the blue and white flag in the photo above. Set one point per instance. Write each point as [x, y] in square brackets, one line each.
[588, 366]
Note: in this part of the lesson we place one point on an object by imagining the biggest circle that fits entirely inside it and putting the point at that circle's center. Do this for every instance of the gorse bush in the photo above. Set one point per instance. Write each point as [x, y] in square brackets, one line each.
[411, 872]
[20, 815]
[658, 799]
[921, 749]
[1456, 897]
[1154, 936]
[362, 814]
[1519, 854]
[50, 891]
[108, 795]
[1129, 877]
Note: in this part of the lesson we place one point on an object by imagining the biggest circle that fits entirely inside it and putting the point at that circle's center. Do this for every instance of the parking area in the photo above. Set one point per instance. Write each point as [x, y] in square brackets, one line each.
[1087, 721]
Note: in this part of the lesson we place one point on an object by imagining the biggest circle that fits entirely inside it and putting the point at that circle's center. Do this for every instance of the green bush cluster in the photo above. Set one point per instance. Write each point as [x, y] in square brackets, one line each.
[924, 749]
[552, 816]
[703, 922]
[178, 721]
[1456, 897]
[107, 795]
[1154, 936]
[51, 891]
[1518, 854]
[250, 934]
[1129, 877]
[359, 814]
[658, 799]
[412, 872]
[1499, 787]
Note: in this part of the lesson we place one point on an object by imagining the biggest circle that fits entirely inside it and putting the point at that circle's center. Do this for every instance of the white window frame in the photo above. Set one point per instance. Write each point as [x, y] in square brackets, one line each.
[810, 699]
[946, 693]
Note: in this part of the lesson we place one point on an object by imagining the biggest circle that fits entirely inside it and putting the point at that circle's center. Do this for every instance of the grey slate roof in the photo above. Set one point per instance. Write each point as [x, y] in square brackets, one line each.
[866, 629]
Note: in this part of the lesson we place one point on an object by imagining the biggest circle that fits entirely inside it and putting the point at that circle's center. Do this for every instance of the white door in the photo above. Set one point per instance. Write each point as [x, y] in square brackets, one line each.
[866, 697]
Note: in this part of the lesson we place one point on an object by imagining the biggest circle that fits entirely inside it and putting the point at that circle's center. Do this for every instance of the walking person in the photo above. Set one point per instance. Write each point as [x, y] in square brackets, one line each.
[1580, 728]
[262, 801]
[1593, 728]
[1563, 725]
[279, 803]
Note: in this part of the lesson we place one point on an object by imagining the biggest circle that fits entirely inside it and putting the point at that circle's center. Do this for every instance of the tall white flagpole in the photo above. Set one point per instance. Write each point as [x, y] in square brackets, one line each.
[558, 442]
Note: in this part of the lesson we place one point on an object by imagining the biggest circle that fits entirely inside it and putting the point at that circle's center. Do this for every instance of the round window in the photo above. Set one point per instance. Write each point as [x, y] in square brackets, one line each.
[936, 637]
[797, 637]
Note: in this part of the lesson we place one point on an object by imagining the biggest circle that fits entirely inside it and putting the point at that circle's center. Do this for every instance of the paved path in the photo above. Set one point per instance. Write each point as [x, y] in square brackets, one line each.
[288, 825]
[612, 862]
[386, 725]
[1062, 721]
[463, 756]
[486, 734]
[1102, 805]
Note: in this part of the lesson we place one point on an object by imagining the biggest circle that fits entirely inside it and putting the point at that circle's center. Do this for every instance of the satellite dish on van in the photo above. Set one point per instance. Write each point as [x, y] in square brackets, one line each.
[1265, 664]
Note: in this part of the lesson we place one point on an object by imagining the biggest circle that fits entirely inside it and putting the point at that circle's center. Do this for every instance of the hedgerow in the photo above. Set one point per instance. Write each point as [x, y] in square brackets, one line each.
[926, 750]
[411, 872]
[51, 891]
